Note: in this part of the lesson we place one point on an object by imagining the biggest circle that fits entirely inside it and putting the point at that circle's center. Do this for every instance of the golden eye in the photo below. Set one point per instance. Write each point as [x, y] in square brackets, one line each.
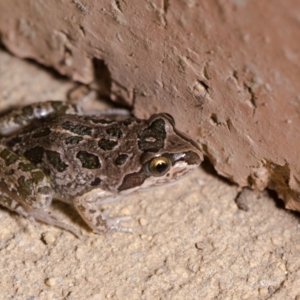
[159, 166]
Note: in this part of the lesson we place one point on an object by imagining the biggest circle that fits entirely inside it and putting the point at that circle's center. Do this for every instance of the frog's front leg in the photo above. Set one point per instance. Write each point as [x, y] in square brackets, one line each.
[25, 189]
[87, 206]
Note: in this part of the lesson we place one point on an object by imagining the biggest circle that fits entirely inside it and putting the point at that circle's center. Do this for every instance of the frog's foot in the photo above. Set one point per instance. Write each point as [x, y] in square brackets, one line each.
[99, 221]
[113, 223]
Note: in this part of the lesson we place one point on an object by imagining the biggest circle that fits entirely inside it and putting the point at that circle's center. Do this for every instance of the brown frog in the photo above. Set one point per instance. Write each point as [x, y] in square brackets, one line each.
[48, 150]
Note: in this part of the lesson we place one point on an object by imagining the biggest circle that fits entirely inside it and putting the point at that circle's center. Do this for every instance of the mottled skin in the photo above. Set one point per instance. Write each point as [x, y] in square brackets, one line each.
[51, 151]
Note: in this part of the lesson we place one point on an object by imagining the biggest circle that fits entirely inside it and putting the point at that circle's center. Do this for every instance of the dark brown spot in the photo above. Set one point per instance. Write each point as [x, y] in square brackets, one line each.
[73, 140]
[46, 171]
[27, 110]
[10, 172]
[12, 142]
[152, 138]
[88, 160]
[128, 121]
[35, 154]
[132, 180]
[96, 181]
[77, 129]
[121, 159]
[25, 187]
[115, 132]
[55, 160]
[41, 132]
[106, 144]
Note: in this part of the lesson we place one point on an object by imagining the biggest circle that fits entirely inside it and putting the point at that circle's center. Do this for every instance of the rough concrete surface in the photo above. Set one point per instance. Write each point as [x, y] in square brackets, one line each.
[190, 240]
[227, 70]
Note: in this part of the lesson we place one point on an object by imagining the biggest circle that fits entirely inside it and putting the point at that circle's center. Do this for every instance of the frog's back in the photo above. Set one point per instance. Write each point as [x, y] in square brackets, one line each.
[79, 152]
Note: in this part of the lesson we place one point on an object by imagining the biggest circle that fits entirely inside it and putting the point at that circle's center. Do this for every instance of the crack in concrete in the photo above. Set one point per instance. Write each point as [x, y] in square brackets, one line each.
[118, 5]
[166, 5]
[165, 8]
[252, 99]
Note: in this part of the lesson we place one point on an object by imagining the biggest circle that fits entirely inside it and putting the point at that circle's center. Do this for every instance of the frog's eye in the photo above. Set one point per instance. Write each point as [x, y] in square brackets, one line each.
[159, 166]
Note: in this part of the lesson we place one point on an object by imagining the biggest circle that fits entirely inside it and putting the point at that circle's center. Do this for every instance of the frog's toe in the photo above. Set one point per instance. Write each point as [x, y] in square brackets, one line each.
[113, 223]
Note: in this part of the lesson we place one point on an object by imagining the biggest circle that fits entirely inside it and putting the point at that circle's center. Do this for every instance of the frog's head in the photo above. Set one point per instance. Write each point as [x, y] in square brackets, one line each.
[168, 155]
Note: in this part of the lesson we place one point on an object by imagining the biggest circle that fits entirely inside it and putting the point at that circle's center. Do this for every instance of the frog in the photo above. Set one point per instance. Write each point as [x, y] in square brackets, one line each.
[53, 150]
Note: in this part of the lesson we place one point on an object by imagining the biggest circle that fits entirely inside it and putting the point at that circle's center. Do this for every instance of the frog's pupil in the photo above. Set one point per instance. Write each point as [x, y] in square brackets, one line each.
[160, 167]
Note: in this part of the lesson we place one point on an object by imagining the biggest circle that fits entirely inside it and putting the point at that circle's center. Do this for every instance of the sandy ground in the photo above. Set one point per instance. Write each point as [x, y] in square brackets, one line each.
[189, 241]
